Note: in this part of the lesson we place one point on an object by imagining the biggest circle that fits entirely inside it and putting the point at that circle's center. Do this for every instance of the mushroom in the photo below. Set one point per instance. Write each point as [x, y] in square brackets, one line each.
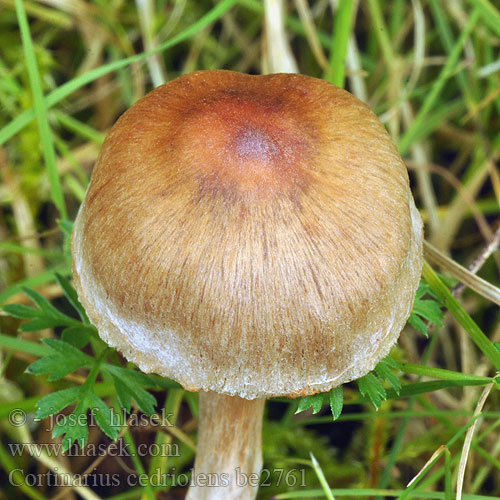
[249, 237]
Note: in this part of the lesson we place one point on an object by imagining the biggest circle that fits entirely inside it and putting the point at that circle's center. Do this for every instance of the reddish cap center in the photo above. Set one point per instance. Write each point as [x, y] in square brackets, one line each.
[244, 146]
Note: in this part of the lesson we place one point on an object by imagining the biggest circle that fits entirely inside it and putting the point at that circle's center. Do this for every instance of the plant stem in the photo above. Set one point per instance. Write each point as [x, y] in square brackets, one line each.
[279, 55]
[229, 452]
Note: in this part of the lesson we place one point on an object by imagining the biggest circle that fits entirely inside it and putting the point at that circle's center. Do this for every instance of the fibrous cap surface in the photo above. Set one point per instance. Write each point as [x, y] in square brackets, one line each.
[250, 235]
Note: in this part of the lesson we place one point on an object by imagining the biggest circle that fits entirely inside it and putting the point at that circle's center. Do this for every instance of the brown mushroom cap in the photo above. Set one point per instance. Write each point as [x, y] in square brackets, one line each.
[250, 235]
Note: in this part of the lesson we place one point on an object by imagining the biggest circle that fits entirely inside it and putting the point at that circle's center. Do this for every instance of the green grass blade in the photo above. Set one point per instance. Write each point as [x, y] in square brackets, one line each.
[370, 492]
[458, 435]
[34, 281]
[321, 478]
[79, 128]
[440, 373]
[17, 476]
[431, 99]
[7, 246]
[27, 346]
[381, 31]
[341, 32]
[41, 111]
[475, 333]
[68, 88]
[489, 14]
[446, 35]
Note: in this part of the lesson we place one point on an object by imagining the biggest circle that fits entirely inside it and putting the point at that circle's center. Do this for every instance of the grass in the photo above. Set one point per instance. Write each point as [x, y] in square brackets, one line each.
[431, 71]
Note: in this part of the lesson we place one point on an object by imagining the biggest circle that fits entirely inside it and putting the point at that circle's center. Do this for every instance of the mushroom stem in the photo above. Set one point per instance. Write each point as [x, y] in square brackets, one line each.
[229, 452]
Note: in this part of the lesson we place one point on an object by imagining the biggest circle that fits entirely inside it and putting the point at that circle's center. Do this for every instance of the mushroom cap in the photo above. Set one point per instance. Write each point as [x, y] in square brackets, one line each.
[249, 235]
